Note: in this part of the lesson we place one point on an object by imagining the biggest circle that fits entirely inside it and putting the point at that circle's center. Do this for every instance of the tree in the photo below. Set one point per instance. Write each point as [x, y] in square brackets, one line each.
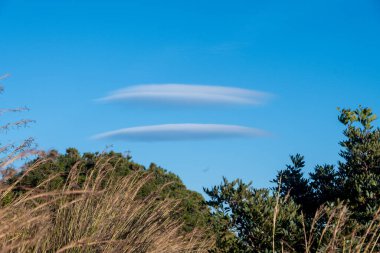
[291, 181]
[359, 172]
[253, 220]
[324, 184]
[356, 179]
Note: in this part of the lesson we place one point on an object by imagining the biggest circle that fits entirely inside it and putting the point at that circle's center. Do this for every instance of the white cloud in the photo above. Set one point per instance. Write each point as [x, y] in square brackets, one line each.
[187, 94]
[181, 132]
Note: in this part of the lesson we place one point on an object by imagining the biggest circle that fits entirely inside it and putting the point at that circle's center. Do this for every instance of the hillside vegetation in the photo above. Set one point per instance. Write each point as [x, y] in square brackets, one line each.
[105, 202]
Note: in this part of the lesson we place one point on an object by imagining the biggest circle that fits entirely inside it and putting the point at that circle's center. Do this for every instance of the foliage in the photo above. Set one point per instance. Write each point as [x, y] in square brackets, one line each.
[253, 220]
[356, 179]
[324, 184]
[338, 207]
[359, 172]
[291, 181]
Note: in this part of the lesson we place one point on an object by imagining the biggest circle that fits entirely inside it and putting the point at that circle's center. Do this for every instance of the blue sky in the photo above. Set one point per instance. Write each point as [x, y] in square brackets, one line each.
[310, 56]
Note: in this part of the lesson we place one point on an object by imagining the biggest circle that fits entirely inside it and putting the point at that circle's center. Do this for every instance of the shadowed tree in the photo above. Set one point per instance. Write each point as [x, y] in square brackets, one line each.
[324, 183]
[290, 181]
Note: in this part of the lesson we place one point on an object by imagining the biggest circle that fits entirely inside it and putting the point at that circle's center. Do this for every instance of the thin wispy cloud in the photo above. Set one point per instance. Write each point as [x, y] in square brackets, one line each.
[181, 132]
[187, 94]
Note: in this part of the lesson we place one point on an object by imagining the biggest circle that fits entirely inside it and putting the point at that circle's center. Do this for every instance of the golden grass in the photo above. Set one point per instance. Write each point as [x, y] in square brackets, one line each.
[332, 230]
[102, 216]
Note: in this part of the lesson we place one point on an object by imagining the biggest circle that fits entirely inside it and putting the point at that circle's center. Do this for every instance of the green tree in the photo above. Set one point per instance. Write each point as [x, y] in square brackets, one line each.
[356, 179]
[243, 216]
[359, 172]
[290, 181]
[324, 183]
[253, 220]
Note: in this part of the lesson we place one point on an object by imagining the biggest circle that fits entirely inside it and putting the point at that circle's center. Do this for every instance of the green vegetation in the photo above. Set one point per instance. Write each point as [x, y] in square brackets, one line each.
[105, 202]
[355, 180]
[335, 209]
[243, 218]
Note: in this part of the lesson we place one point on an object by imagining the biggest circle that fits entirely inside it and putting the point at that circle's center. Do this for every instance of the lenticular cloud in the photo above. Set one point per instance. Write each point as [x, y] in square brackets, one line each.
[187, 94]
[180, 132]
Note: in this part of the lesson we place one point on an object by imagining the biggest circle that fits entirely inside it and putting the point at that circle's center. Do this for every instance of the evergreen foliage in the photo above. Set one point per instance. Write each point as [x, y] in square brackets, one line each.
[356, 179]
[359, 172]
[291, 181]
[333, 203]
[252, 220]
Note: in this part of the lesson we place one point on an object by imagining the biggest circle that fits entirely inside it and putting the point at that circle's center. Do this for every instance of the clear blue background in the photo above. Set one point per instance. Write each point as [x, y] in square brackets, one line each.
[312, 55]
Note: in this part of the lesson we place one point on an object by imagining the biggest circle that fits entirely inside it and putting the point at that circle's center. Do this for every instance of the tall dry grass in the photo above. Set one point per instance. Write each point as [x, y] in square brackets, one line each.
[103, 214]
[333, 230]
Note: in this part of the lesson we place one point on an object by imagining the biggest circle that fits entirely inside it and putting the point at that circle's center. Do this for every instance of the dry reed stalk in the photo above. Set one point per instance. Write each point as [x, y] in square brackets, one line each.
[336, 236]
[107, 215]
[275, 213]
